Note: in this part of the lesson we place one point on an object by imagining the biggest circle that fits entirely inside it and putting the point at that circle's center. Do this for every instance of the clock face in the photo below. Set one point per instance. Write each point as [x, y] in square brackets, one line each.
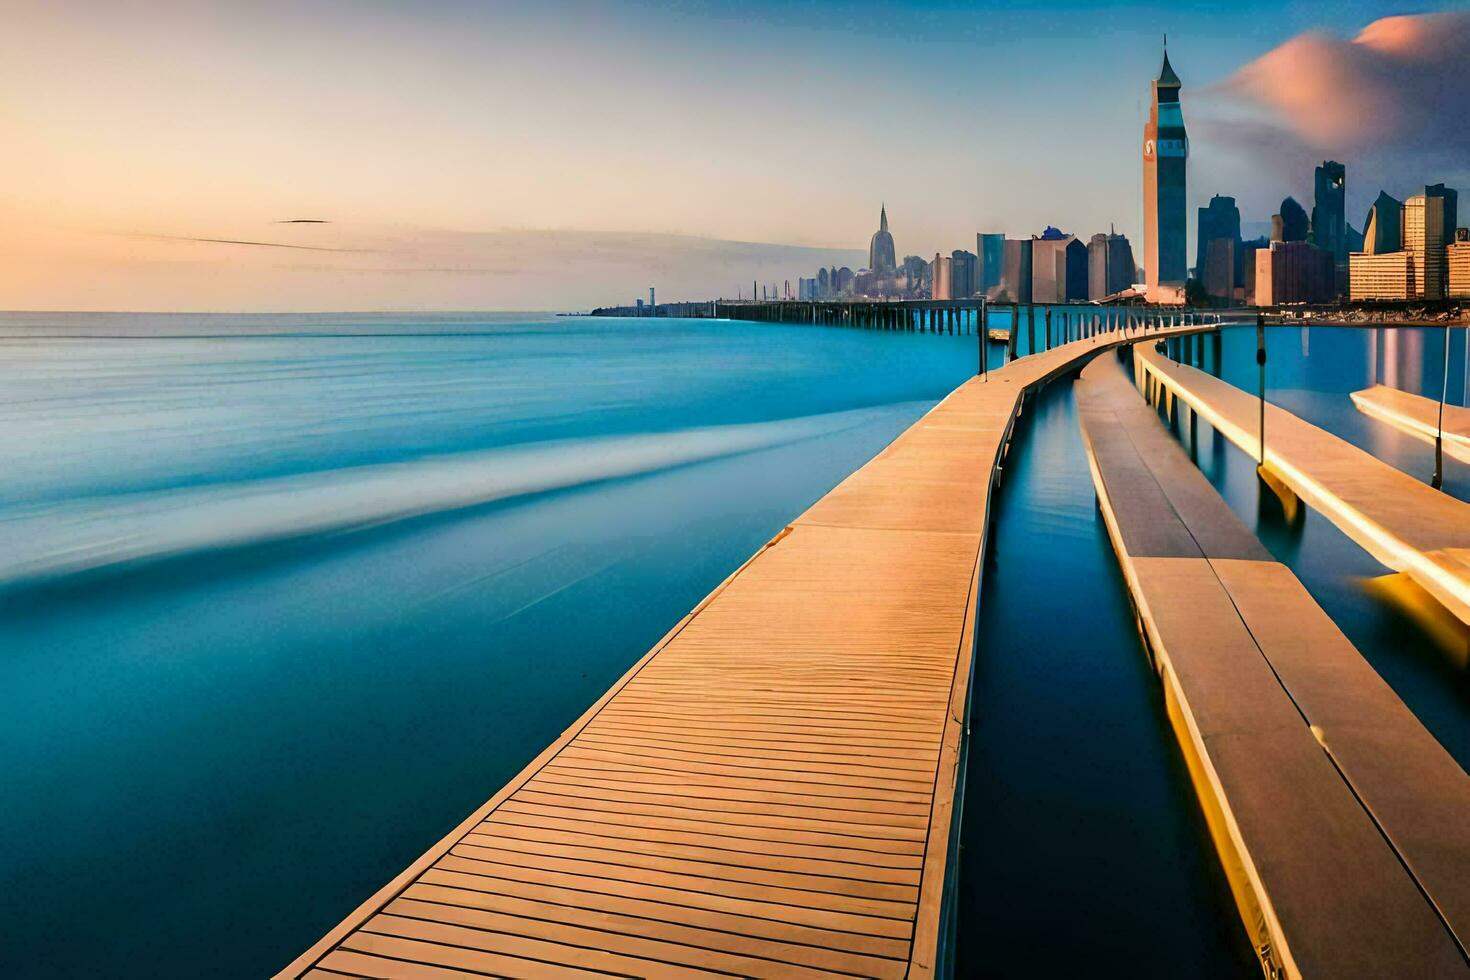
[1148, 148]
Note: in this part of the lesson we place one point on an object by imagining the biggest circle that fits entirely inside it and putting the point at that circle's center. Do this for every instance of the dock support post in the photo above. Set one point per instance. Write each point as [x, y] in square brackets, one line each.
[1444, 387]
[1261, 360]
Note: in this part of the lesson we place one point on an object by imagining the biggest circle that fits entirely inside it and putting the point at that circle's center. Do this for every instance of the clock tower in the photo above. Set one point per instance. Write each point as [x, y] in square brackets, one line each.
[1165, 150]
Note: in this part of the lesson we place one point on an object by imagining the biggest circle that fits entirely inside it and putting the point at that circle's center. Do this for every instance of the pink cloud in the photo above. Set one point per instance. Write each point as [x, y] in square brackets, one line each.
[1399, 85]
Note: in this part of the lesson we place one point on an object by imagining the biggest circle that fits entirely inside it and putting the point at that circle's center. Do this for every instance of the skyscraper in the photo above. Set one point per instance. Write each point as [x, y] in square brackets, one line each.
[1058, 269]
[1219, 219]
[1329, 210]
[1383, 231]
[941, 267]
[1109, 265]
[1015, 273]
[962, 274]
[1165, 150]
[1293, 272]
[1218, 234]
[1458, 260]
[881, 257]
[1293, 221]
[991, 249]
[1429, 226]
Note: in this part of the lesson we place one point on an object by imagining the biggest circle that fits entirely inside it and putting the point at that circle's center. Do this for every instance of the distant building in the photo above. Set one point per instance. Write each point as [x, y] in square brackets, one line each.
[963, 274]
[1380, 276]
[842, 281]
[1293, 272]
[1217, 268]
[1383, 231]
[1291, 224]
[1058, 269]
[916, 272]
[1458, 261]
[1219, 219]
[824, 284]
[1248, 250]
[1329, 216]
[1015, 276]
[1165, 223]
[991, 248]
[1429, 223]
[880, 249]
[1109, 265]
[940, 269]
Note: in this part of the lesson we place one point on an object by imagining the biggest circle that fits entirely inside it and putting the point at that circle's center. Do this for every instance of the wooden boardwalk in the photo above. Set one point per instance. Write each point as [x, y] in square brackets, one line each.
[1418, 416]
[1344, 827]
[768, 791]
[1406, 525]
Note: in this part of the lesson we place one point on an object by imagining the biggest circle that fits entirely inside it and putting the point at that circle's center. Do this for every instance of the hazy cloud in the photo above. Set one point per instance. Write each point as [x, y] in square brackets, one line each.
[240, 241]
[1395, 92]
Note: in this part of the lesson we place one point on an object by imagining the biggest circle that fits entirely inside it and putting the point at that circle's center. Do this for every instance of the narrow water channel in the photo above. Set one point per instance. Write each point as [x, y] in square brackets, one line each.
[1084, 850]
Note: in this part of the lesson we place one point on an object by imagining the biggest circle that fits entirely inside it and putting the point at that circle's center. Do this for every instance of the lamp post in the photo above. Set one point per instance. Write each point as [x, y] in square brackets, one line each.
[1444, 386]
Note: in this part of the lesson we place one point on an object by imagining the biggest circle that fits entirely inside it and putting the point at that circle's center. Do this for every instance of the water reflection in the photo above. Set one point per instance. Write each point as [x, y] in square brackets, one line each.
[1312, 371]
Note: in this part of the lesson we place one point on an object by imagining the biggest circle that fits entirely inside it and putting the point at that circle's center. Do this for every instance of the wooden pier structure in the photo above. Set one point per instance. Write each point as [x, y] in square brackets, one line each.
[1044, 326]
[1406, 525]
[774, 789]
[1340, 821]
[1418, 416]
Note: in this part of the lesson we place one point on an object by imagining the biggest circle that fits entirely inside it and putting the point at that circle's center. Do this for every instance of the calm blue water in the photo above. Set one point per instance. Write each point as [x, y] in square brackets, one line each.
[1084, 849]
[1311, 371]
[283, 599]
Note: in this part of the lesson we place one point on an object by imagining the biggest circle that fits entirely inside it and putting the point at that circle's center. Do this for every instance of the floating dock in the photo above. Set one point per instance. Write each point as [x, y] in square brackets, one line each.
[1341, 822]
[1419, 417]
[772, 789]
[1406, 525]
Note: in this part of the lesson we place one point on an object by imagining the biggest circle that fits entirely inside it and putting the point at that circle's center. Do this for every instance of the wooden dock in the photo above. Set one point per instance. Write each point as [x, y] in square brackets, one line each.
[1343, 826]
[1406, 525]
[770, 790]
[1418, 416]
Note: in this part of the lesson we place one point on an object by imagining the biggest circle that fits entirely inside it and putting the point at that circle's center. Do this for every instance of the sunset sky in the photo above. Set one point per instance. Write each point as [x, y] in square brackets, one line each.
[435, 137]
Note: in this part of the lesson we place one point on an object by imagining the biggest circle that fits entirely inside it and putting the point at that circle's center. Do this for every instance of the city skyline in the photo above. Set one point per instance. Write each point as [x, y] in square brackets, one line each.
[440, 183]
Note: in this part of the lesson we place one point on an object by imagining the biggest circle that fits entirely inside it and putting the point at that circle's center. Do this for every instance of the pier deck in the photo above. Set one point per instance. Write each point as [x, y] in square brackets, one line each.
[1340, 820]
[768, 791]
[1418, 416]
[1406, 525]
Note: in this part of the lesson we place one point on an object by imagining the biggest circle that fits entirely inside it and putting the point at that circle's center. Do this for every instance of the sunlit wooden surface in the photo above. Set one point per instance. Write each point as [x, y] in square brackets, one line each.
[1419, 417]
[768, 792]
[1343, 826]
[1399, 520]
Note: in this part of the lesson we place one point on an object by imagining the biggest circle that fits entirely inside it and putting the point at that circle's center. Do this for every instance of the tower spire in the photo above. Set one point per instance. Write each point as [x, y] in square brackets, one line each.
[883, 217]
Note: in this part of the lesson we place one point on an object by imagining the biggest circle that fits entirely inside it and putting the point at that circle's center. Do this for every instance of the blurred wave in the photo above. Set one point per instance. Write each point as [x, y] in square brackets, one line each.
[54, 540]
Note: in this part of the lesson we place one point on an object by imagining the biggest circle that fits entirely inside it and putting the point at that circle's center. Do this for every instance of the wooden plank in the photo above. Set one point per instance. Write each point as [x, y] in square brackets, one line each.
[781, 765]
[1418, 417]
[825, 950]
[1259, 681]
[1403, 523]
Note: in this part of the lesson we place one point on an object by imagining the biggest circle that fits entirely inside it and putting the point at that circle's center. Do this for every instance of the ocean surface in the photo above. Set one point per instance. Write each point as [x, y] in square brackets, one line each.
[282, 599]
